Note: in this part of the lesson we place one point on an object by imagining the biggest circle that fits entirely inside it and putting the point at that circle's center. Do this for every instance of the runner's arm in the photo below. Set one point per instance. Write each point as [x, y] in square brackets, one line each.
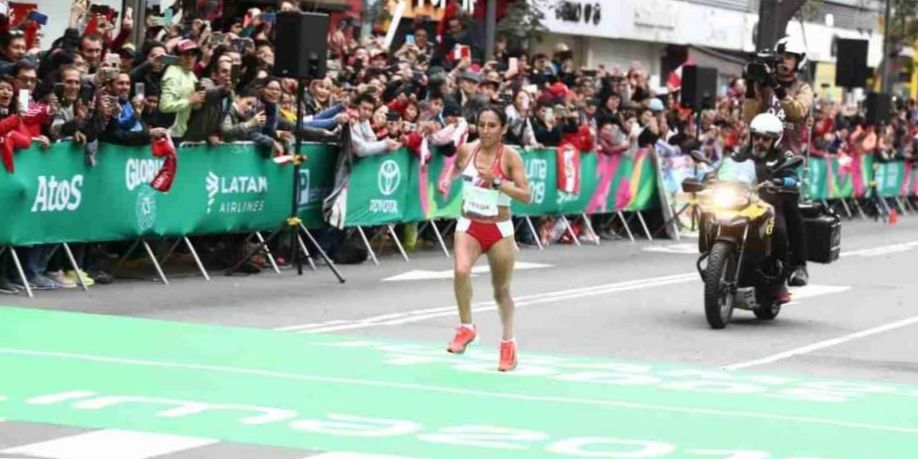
[518, 185]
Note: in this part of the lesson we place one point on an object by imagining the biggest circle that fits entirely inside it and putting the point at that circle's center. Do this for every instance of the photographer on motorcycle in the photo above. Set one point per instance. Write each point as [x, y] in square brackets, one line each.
[789, 99]
[764, 149]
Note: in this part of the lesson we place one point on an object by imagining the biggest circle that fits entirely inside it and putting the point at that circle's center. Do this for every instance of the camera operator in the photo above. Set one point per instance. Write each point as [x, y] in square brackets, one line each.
[779, 92]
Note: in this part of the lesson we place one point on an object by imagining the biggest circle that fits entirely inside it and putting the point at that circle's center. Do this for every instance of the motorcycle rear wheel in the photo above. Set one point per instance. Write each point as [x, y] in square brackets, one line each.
[721, 270]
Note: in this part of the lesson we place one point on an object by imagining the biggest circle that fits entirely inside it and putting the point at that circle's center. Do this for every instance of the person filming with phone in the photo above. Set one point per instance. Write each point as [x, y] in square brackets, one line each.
[180, 92]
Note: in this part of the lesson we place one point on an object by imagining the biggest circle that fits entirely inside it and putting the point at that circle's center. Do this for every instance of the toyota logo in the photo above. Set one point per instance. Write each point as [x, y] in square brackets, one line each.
[389, 177]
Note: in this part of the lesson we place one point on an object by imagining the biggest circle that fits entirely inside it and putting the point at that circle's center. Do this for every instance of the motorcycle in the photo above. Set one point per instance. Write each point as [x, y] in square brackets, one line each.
[736, 227]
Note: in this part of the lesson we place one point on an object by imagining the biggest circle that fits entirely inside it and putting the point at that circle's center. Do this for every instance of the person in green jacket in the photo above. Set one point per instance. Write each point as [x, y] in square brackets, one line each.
[180, 94]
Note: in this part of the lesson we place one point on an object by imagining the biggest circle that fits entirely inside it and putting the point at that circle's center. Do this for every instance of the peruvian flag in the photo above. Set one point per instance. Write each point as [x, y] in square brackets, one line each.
[568, 158]
[674, 82]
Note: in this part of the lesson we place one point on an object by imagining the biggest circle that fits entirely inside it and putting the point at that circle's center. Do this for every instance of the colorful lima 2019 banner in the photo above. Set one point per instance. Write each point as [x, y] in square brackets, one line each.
[54, 197]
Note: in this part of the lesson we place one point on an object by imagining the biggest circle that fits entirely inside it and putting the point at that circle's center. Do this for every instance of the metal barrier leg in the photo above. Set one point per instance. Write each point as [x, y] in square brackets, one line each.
[589, 227]
[76, 268]
[171, 249]
[328, 261]
[535, 234]
[433, 224]
[261, 240]
[901, 206]
[398, 243]
[860, 210]
[197, 259]
[846, 209]
[644, 225]
[312, 264]
[126, 255]
[25, 282]
[366, 242]
[886, 209]
[621, 217]
[159, 269]
[570, 230]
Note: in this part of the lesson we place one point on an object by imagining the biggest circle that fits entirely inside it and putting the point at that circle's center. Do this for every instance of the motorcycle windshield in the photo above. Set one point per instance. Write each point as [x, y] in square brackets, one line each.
[731, 170]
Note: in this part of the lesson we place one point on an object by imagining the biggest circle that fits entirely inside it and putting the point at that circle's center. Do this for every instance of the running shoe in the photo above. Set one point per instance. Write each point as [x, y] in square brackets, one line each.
[507, 356]
[464, 337]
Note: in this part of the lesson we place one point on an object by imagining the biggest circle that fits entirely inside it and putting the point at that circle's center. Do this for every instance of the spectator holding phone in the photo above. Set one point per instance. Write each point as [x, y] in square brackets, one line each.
[180, 91]
[152, 71]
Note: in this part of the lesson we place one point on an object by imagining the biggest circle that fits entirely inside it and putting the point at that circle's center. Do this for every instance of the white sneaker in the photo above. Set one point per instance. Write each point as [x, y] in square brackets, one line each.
[61, 279]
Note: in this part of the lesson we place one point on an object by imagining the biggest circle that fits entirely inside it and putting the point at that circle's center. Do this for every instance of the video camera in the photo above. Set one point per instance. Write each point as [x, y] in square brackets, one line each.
[762, 68]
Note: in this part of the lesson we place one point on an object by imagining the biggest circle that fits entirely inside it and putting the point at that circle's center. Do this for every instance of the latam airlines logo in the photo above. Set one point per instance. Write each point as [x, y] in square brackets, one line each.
[237, 194]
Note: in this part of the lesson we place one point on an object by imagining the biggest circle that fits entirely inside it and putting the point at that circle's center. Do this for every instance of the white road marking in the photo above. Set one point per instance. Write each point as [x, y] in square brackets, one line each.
[684, 248]
[423, 274]
[882, 250]
[110, 444]
[824, 344]
[433, 389]
[401, 318]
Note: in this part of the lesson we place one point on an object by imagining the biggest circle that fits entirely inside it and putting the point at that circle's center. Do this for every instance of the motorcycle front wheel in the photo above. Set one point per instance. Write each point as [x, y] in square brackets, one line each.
[720, 272]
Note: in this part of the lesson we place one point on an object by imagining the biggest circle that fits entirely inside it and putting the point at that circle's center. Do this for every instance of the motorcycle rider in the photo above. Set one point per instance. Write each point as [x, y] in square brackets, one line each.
[764, 149]
[790, 100]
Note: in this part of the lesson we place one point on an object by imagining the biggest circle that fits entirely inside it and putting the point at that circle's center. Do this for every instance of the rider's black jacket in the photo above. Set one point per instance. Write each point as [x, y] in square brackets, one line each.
[786, 178]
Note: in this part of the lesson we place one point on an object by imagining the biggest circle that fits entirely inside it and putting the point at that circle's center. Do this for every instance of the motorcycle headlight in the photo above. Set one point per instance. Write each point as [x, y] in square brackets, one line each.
[729, 198]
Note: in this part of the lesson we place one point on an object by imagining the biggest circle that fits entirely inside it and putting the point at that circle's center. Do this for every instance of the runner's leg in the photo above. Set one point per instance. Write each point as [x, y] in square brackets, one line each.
[502, 257]
[466, 252]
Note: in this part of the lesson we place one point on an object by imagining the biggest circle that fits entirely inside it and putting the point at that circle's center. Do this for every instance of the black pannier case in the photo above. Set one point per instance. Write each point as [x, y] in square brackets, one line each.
[823, 232]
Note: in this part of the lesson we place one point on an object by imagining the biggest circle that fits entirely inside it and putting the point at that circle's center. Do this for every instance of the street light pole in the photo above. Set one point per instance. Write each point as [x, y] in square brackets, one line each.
[490, 29]
[887, 55]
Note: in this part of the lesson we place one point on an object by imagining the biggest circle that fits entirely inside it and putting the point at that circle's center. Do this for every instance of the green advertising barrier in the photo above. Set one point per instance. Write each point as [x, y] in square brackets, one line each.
[844, 178]
[617, 185]
[317, 180]
[52, 196]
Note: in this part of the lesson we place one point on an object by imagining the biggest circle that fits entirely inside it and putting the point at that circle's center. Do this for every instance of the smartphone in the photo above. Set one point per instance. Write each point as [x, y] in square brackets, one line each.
[269, 17]
[139, 90]
[24, 99]
[169, 59]
[217, 38]
[113, 60]
[513, 63]
[38, 17]
[409, 39]
[59, 90]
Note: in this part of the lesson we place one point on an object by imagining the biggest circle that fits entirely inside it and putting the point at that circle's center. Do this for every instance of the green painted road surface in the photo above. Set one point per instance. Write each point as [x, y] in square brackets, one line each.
[336, 393]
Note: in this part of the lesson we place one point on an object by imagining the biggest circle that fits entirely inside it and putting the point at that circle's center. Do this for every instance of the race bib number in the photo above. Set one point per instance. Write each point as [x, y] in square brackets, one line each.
[479, 202]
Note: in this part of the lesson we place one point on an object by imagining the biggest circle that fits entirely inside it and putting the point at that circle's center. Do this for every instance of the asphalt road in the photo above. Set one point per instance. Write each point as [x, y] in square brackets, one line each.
[840, 362]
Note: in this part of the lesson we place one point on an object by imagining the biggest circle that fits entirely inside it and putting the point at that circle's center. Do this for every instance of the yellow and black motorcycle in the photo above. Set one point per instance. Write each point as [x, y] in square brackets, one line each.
[736, 227]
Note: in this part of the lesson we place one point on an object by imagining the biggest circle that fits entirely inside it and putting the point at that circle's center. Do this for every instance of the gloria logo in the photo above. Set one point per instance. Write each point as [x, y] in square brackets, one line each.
[56, 195]
[140, 171]
[237, 194]
[389, 177]
[145, 208]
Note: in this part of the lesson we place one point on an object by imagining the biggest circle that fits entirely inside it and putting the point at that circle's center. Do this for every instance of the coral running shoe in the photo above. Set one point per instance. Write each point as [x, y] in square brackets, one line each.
[507, 356]
[464, 337]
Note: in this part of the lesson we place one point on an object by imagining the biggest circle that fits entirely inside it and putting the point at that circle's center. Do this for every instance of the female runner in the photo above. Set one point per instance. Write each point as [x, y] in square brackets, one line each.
[493, 174]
